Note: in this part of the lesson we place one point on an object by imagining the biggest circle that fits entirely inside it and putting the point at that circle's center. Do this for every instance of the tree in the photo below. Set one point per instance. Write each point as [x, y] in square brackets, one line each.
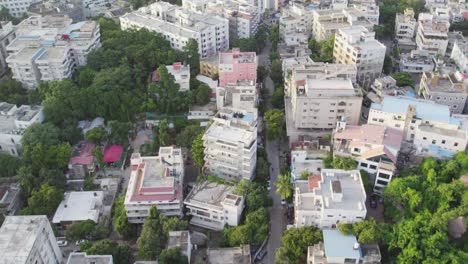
[198, 151]
[87, 229]
[262, 73]
[256, 195]
[88, 184]
[388, 65]
[96, 135]
[152, 239]
[119, 132]
[121, 254]
[202, 94]
[85, 77]
[98, 155]
[276, 72]
[322, 51]
[9, 164]
[262, 169]
[274, 124]
[284, 186]
[253, 231]
[187, 135]
[277, 98]
[168, 98]
[6, 16]
[11, 91]
[43, 201]
[174, 224]
[403, 79]
[366, 181]
[120, 220]
[192, 56]
[163, 134]
[344, 163]
[295, 242]
[274, 36]
[173, 255]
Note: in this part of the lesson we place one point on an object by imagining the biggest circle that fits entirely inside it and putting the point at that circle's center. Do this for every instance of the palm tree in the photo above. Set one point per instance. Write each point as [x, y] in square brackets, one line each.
[283, 186]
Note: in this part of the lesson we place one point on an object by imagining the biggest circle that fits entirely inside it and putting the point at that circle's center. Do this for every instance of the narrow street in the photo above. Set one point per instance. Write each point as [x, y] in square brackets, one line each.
[276, 212]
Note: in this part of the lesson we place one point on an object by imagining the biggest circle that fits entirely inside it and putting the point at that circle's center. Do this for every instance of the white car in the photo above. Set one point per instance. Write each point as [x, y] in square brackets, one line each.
[269, 186]
[78, 242]
[62, 243]
[283, 202]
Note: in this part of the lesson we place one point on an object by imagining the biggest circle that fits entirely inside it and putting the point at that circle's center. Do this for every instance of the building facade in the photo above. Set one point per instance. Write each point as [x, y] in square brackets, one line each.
[28, 239]
[18, 8]
[329, 199]
[417, 61]
[231, 144]
[50, 48]
[181, 73]
[405, 26]
[7, 35]
[432, 34]
[214, 205]
[460, 55]
[236, 66]
[155, 181]
[242, 95]
[179, 25]
[357, 45]
[79, 206]
[13, 122]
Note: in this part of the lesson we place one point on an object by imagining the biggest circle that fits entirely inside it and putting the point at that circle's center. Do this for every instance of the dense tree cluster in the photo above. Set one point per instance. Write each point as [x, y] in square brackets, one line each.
[121, 254]
[322, 51]
[87, 229]
[403, 79]
[120, 220]
[274, 120]
[294, 244]
[388, 10]
[460, 26]
[9, 165]
[256, 43]
[283, 185]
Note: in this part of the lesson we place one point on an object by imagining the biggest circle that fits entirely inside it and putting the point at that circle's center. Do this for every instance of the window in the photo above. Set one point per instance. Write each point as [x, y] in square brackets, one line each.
[373, 167]
[363, 164]
[397, 125]
[433, 141]
[443, 141]
[382, 182]
[424, 138]
[455, 144]
[384, 175]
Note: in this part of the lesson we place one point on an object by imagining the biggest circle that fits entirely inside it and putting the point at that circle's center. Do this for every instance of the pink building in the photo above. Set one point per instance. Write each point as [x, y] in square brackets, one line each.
[82, 161]
[236, 65]
[155, 181]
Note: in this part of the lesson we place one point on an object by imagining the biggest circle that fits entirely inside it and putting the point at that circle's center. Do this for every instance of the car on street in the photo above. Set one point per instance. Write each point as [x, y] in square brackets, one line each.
[62, 243]
[261, 255]
[283, 202]
[269, 186]
[78, 242]
[373, 201]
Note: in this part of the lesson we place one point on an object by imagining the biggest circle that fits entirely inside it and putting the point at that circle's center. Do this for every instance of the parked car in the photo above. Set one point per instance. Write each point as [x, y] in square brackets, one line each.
[373, 201]
[261, 255]
[62, 243]
[78, 242]
[269, 186]
[283, 202]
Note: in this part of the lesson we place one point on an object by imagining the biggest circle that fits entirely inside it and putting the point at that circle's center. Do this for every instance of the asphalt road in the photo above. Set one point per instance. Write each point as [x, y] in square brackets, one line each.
[276, 212]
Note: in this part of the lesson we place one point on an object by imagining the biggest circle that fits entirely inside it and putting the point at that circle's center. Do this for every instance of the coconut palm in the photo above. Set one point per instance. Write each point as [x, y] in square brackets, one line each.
[283, 185]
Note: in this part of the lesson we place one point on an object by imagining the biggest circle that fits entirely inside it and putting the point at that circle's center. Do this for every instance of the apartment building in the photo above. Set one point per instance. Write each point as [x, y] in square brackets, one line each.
[7, 35]
[306, 162]
[417, 61]
[244, 18]
[338, 248]
[214, 205]
[10, 198]
[231, 144]
[232, 255]
[155, 181]
[28, 239]
[374, 147]
[460, 55]
[181, 73]
[357, 45]
[50, 48]
[209, 66]
[295, 24]
[432, 34]
[446, 89]
[179, 25]
[327, 22]
[328, 199]
[242, 95]
[298, 69]
[79, 206]
[405, 27]
[369, 9]
[13, 122]
[429, 127]
[235, 66]
[83, 258]
[319, 104]
[18, 8]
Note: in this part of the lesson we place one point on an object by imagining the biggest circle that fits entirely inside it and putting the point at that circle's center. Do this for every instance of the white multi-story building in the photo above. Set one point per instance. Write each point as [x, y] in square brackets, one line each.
[13, 122]
[327, 22]
[405, 26]
[446, 89]
[357, 45]
[179, 25]
[180, 240]
[242, 95]
[328, 199]
[181, 75]
[231, 144]
[18, 8]
[28, 239]
[319, 104]
[79, 206]
[7, 35]
[214, 205]
[83, 258]
[432, 34]
[460, 55]
[369, 8]
[305, 163]
[155, 181]
[430, 127]
[295, 24]
[374, 147]
[50, 48]
[417, 61]
[244, 19]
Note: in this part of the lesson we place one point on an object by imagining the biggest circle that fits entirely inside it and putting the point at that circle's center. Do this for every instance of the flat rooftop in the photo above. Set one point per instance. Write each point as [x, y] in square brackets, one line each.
[445, 84]
[10, 116]
[211, 194]
[18, 236]
[83, 258]
[333, 183]
[426, 110]
[235, 255]
[338, 245]
[178, 239]
[79, 206]
[237, 57]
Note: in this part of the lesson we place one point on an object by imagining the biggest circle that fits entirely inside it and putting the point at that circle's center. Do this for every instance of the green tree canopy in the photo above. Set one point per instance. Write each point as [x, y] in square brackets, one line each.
[9, 164]
[152, 239]
[120, 220]
[283, 186]
[198, 151]
[173, 255]
[344, 163]
[11, 91]
[121, 254]
[87, 229]
[43, 201]
[274, 124]
[202, 94]
[276, 72]
[96, 135]
[186, 137]
[403, 79]
[295, 242]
